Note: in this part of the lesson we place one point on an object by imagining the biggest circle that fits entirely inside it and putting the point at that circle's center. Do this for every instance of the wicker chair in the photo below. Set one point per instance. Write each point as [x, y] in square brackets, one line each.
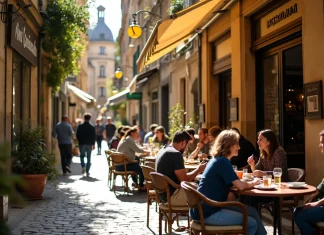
[295, 175]
[161, 185]
[194, 199]
[110, 170]
[117, 159]
[151, 193]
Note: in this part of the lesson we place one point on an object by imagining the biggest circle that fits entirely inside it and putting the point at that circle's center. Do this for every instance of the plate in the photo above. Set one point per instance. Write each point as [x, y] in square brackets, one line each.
[297, 186]
[247, 179]
[262, 187]
[193, 162]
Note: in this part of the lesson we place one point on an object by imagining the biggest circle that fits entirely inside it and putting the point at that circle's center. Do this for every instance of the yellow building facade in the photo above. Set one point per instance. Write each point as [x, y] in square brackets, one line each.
[260, 61]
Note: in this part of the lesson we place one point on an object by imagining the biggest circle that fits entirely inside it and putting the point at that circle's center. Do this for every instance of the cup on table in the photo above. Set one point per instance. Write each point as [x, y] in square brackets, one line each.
[184, 160]
[234, 167]
[239, 174]
[245, 171]
[267, 180]
[277, 172]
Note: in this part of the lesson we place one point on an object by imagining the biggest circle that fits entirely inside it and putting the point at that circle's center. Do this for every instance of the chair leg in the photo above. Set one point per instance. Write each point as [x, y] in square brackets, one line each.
[126, 183]
[148, 211]
[114, 183]
[292, 222]
[166, 225]
[170, 226]
[160, 222]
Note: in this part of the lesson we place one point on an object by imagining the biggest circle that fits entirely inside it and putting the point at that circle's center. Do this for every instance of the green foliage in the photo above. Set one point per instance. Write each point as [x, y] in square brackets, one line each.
[8, 182]
[64, 41]
[29, 155]
[176, 120]
[176, 6]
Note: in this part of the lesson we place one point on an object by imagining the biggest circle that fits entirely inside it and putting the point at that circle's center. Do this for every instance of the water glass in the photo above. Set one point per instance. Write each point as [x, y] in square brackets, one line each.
[267, 180]
[245, 172]
[234, 167]
[277, 172]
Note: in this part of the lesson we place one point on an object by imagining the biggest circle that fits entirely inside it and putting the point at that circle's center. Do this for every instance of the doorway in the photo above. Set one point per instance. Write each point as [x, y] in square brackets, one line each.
[280, 100]
[225, 93]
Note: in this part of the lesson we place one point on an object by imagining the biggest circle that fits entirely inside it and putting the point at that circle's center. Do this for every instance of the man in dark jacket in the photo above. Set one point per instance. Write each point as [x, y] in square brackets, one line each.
[86, 135]
[246, 150]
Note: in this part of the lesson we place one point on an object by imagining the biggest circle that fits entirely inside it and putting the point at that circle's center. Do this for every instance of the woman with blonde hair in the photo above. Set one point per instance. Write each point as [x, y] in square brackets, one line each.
[216, 182]
[160, 137]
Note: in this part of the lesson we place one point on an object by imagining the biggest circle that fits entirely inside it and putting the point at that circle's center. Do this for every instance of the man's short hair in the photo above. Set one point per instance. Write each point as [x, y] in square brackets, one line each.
[64, 118]
[120, 129]
[181, 135]
[191, 131]
[203, 129]
[153, 126]
[214, 131]
[87, 116]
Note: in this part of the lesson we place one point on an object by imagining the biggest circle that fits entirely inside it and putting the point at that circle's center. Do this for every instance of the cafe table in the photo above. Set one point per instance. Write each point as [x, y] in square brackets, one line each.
[191, 167]
[277, 194]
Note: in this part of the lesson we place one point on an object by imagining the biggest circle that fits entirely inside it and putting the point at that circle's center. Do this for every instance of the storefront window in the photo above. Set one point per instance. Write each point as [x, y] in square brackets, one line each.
[271, 95]
[225, 93]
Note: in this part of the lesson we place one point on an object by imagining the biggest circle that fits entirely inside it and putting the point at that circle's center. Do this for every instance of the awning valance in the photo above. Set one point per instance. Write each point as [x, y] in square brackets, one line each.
[140, 77]
[81, 94]
[168, 33]
[118, 98]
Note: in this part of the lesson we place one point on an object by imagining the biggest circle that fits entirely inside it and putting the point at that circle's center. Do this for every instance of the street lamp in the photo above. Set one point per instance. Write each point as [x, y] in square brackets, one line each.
[134, 30]
[118, 73]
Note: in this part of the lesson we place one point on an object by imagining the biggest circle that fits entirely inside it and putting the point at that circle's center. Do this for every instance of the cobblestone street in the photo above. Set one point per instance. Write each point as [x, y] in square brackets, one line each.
[80, 205]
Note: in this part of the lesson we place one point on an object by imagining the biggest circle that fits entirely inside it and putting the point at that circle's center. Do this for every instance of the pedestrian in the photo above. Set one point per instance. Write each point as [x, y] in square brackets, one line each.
[110, 130]
[86, 135]
[99, 134]
[64, 132]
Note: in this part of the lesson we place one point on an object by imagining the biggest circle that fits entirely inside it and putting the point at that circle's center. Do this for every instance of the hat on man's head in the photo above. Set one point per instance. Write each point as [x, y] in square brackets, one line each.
[108, 118]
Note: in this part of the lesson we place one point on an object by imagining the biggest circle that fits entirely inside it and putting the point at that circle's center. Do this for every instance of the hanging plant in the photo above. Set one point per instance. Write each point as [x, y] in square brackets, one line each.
[176, 6]
[64, 42]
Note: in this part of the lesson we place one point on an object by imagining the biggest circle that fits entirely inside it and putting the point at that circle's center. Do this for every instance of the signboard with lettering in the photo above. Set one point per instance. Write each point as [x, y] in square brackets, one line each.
[134, 96]
[22, 38]
[281, 16]
[313, 100]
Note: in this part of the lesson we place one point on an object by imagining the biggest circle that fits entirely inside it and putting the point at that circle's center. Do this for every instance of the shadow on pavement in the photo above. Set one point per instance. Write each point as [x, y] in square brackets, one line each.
[89, 179]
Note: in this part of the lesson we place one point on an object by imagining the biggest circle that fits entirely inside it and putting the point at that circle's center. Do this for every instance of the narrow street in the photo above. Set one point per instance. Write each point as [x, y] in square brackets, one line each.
[81, 205]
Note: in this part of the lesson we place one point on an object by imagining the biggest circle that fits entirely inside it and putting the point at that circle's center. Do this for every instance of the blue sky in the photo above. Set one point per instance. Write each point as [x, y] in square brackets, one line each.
[112, 16]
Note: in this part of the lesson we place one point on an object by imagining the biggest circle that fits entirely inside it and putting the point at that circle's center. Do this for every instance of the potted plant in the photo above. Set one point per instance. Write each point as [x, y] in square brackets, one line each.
[31, 160]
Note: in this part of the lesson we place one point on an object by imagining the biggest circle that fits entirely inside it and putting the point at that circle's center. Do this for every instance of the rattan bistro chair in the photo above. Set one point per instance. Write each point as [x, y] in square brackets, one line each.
[151, 193]
[194, 199]
[117, 159]
[110, 170]
[161, 185]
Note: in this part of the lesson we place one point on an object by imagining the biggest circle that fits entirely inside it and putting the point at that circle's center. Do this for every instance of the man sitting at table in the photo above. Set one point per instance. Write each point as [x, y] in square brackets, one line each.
[313, 210]
[169, 162]
[203, 146]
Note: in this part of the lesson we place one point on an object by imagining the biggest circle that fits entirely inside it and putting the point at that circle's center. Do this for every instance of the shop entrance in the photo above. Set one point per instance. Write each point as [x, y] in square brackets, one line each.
[280, 98]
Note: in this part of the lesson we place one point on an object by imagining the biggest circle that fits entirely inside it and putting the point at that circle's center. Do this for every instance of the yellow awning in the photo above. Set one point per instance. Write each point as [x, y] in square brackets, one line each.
[168, 33]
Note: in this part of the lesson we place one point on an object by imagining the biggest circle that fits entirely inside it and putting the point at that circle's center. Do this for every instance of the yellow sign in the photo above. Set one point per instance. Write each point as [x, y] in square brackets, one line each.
[280, 17]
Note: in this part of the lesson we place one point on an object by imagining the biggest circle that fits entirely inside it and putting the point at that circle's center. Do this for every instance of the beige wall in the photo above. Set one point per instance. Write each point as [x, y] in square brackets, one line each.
[2, 82]
[313, 68]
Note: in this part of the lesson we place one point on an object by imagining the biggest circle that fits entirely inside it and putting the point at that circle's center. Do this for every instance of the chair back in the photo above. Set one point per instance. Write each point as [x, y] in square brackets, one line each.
[118, 159]
[296, 175]
[146, 172]
[194, 199]
[150, 164]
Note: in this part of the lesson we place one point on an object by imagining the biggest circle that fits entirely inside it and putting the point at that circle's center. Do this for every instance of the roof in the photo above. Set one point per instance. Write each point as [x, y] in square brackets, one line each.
[101, 33]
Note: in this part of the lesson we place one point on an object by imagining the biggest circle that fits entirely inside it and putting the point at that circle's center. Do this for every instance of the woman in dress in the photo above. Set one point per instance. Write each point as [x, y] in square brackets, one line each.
[271, 156]
[216, 182]
[313, 210]
[128, 147]
[160, 137]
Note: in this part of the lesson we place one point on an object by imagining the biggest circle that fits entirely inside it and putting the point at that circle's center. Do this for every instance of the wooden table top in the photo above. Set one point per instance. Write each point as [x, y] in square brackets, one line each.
[191, 166]
[283, 191]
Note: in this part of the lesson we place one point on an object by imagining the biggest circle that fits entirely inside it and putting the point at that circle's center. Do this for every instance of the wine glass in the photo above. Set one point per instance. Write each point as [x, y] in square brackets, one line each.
[277, 172]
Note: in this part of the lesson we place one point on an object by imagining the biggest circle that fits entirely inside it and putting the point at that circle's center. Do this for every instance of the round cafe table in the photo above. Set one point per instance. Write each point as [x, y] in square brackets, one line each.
[277, 195]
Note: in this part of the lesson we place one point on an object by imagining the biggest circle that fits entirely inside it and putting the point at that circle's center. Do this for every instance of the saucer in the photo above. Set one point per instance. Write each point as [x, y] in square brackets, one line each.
[262, 187]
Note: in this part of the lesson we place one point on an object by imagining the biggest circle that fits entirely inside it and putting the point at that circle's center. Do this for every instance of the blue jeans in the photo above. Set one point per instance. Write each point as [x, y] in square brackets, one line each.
[85, 149]
[233, 216]
[305, 218]
[133, 167]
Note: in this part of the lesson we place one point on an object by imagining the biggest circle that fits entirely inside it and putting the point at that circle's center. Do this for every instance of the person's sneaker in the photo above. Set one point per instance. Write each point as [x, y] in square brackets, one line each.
[83, 170]
[88, 174]
[68, 169]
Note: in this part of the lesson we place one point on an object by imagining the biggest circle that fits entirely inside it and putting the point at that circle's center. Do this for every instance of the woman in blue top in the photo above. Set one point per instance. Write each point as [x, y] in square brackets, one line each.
[216, 182]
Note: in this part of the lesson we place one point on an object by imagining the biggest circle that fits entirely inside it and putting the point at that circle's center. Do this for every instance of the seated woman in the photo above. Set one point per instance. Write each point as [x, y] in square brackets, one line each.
[160, 137]
[313, 210]
[216, 182]
[128, 147]
[271, 156]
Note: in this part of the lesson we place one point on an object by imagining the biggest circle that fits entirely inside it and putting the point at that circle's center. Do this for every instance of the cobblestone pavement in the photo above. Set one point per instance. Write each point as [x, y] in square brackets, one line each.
[81, 205]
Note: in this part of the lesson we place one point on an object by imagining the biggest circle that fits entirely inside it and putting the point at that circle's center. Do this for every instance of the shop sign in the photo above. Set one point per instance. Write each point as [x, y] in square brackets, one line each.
[134, 96]
[23, 39]
[280, 17]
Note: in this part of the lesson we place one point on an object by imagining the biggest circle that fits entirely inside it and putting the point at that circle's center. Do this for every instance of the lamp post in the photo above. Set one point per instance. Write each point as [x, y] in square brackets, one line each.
[135, 30]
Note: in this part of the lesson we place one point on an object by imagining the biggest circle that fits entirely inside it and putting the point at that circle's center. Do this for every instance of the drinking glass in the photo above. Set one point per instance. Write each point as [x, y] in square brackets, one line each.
[267, 180]
[245, 172]
[277, 172]
[234, 167]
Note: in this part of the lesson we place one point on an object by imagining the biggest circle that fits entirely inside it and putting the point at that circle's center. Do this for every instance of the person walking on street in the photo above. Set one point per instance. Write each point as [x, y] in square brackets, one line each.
[86, 135]
[110, 130]
[99, 134]
[64, 132]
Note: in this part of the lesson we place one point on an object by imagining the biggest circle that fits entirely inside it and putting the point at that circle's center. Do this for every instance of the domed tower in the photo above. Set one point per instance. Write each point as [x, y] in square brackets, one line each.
[101, 59]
